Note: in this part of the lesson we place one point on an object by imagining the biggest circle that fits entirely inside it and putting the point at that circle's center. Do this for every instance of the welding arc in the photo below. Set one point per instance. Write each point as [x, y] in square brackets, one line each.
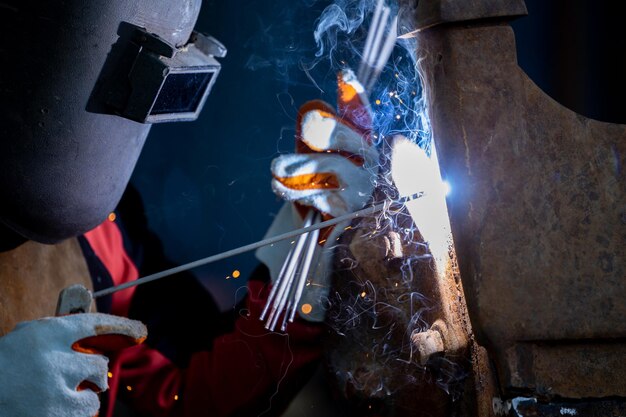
[252, 246]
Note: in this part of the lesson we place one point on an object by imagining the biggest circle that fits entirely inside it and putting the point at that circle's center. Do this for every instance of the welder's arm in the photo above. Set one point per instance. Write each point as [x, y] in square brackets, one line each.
[247, 371]
[333, 172]
[54, 367]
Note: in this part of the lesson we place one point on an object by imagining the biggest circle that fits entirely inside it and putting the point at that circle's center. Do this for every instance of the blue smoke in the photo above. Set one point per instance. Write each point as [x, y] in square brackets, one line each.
[397, 96]
[342, 17]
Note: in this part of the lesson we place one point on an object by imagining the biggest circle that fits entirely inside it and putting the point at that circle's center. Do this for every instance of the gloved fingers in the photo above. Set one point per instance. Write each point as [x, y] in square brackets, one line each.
[310, 106]
[330, 183]
[330, 203]
[324, 132]
[87, 401]
[106, 343]
[352, 102]
[40, 374]
[317, 172]
[311, 171]
[86, 371]
[77, 327]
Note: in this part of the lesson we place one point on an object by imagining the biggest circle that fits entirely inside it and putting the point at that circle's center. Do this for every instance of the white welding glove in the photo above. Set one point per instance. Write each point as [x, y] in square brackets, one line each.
[52, 367]
[333, 171]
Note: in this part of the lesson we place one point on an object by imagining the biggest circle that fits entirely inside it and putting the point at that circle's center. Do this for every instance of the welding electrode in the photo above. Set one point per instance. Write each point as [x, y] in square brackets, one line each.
[247, 248]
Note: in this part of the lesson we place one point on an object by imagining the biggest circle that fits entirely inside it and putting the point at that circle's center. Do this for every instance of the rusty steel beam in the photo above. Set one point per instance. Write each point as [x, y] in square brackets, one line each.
[400, 339]
[538, 209]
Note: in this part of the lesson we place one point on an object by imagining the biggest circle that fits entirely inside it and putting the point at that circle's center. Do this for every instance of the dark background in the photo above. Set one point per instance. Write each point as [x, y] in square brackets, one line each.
[206, 184]
[575, 50]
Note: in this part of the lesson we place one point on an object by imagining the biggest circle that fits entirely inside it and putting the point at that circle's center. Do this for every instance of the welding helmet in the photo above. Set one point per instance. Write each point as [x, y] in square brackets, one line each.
[81, 82]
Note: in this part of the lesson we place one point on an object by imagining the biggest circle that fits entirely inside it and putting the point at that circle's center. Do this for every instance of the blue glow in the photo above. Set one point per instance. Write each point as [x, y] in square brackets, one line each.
[447, 188]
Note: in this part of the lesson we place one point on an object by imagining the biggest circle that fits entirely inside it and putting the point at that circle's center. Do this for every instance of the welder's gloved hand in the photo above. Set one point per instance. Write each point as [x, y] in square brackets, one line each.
[336, 162]
[333, 171]
[53, 367]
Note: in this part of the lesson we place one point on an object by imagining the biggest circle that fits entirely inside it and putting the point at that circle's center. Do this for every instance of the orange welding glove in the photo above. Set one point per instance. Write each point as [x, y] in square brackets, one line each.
[54, 367]
[333, 171]
[335, 165]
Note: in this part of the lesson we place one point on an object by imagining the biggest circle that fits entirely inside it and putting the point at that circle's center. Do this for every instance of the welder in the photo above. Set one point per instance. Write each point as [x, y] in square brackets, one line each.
[80, 85]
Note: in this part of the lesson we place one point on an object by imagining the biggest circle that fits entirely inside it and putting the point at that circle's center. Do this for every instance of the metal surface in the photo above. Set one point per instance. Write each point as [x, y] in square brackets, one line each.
[604, 408]
[400, 339]
[538, 213]
[74, 299]
[428, 13]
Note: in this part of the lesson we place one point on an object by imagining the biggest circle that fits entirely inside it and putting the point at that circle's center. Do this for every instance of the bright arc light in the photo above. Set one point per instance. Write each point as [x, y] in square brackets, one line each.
[414, 172]
[447, 189]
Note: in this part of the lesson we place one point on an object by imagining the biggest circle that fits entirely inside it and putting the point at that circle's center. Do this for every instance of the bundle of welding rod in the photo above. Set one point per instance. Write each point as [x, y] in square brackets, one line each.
[287, 290]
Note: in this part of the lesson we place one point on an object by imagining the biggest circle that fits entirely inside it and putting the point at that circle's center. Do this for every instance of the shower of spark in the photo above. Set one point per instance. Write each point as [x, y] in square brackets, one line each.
[288, 287]
[364, 314]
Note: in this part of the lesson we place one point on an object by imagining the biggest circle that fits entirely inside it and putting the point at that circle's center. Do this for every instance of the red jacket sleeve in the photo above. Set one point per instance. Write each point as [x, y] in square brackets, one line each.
[246, 372]
[108, 244]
